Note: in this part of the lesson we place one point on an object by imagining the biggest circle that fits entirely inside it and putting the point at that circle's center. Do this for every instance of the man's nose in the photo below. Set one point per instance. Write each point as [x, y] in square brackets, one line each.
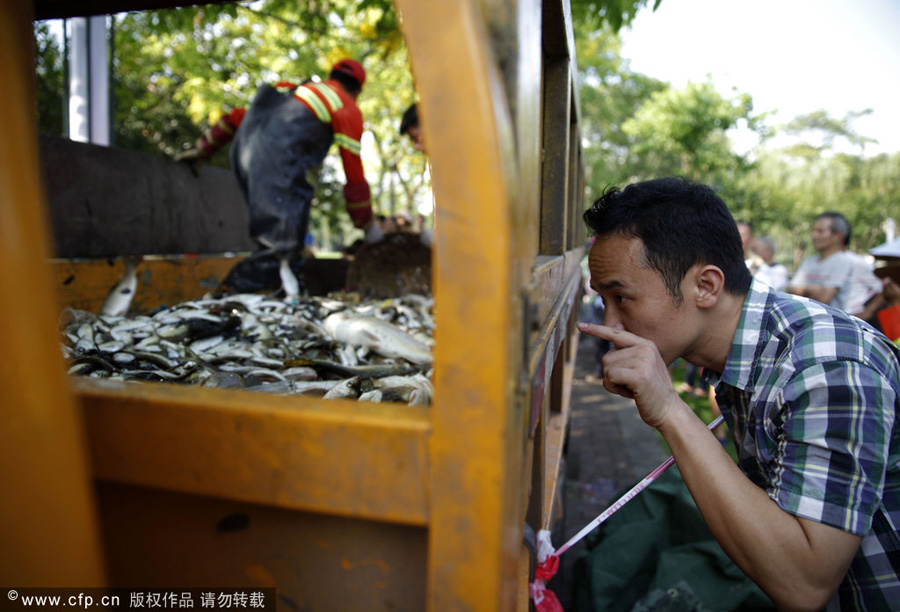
[611, 316]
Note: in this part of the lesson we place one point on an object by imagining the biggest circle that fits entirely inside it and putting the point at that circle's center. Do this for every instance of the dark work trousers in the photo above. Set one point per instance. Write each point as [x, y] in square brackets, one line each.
[278, 141]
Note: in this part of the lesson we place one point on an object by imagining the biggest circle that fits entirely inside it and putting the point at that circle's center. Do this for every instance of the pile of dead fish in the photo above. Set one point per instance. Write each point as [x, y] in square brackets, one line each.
[372, 351]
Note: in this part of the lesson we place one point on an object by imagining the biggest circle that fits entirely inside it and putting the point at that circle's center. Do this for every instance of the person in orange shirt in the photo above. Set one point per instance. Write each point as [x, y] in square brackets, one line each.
[889, 315]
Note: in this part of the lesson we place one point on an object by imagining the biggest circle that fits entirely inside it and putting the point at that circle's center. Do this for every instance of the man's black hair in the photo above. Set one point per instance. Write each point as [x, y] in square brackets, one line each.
[681, 224]
[347, 82]
[410, 119]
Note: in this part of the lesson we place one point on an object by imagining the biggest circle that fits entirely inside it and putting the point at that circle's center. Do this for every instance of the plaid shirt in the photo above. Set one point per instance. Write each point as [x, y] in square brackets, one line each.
[812, 397]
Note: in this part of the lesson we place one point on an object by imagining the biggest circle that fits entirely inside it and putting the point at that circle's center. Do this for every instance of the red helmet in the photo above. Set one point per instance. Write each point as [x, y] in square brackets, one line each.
[351, 68]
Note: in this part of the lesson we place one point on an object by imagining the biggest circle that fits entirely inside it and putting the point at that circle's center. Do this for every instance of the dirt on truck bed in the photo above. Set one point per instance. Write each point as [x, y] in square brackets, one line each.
[396, 266]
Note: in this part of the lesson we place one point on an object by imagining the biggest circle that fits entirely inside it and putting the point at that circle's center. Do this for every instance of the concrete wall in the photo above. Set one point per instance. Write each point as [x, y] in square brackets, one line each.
[106, 202]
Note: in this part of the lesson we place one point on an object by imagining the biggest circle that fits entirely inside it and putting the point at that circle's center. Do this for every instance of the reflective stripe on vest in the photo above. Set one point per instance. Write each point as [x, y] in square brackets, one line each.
[323, 110]
[348, 143]
[313, 102]
[334, 100]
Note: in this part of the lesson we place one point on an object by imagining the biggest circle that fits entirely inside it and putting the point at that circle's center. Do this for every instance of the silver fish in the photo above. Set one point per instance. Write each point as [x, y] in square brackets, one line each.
[118, 300]
[300, 373]
[351, 388]
[288, 280]
[259, 343]
[380, 336]
[373, 396]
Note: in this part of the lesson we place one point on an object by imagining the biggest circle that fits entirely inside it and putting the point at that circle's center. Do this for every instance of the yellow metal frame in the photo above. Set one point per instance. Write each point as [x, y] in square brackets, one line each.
[465, 474]
[48, 520]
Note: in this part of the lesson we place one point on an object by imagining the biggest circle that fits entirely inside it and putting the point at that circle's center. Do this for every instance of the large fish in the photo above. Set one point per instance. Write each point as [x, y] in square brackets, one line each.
[379, 336]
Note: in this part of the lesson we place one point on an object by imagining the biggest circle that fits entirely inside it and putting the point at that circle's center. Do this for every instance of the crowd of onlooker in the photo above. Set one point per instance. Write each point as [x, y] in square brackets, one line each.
[862, 285]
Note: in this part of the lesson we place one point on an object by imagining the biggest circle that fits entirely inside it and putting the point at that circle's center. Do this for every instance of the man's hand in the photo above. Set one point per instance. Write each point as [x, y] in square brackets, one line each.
[636, 370]
[193, 157]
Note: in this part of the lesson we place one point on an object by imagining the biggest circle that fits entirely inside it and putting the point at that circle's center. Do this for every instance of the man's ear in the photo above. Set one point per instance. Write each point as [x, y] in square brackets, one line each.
[709, 285]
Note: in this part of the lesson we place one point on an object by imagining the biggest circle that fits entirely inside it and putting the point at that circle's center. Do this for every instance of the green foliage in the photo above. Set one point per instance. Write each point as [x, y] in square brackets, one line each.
[782, 194]
[828, 130]
[610, 94]
[635, 127]
[50, 76]
[683, 131]
[176, 71]
[594, 14]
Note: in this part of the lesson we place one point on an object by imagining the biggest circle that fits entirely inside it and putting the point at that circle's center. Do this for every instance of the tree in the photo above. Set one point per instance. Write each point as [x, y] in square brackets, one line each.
[820, 132]
[684, 132]
[176, 71]
[635, 127]
[787, 188]
[610, 95]
[597, 14]
[50, 76]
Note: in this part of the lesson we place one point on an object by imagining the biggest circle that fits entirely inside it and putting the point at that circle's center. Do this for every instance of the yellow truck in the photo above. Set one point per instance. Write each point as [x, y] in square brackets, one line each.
[339, 505]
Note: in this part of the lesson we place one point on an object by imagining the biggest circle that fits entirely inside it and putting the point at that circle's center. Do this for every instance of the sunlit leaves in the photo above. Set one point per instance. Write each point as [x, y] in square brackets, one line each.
[822, 131]
[615, 13]
[683, 131]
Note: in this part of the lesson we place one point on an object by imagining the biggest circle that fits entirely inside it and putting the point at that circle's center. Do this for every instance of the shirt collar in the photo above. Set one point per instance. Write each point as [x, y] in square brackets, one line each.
[746, 344]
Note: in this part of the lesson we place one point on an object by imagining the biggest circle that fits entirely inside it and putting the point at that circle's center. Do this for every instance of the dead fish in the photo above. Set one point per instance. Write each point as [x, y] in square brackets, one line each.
[317, 387]
[351, 388]
[258, 343]
[118, 300]
[263, 374]
[348, 388]
[288, 280]
[418, 381]
[380, 336]
[418, 398]
[95, 362]
[373, 396]
[270, 387]
[201, 346]
[154, 359]
[323, 366]
[214, 377]
[300, 373]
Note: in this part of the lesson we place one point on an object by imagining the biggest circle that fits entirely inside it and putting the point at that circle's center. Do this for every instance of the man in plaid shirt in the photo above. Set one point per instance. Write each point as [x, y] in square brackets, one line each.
[811, 395]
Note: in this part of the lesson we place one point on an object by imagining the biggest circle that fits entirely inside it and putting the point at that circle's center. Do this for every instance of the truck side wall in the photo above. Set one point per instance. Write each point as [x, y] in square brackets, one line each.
[100, 205]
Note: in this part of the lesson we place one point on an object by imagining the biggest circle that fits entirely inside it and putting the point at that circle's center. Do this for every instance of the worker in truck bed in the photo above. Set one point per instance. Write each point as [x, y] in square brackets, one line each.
[288, 129]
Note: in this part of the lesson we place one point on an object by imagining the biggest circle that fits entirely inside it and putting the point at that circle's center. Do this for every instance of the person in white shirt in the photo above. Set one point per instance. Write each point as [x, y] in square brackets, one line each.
[863, 287]
[745, 229]
[836, 276]
[773, 274]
